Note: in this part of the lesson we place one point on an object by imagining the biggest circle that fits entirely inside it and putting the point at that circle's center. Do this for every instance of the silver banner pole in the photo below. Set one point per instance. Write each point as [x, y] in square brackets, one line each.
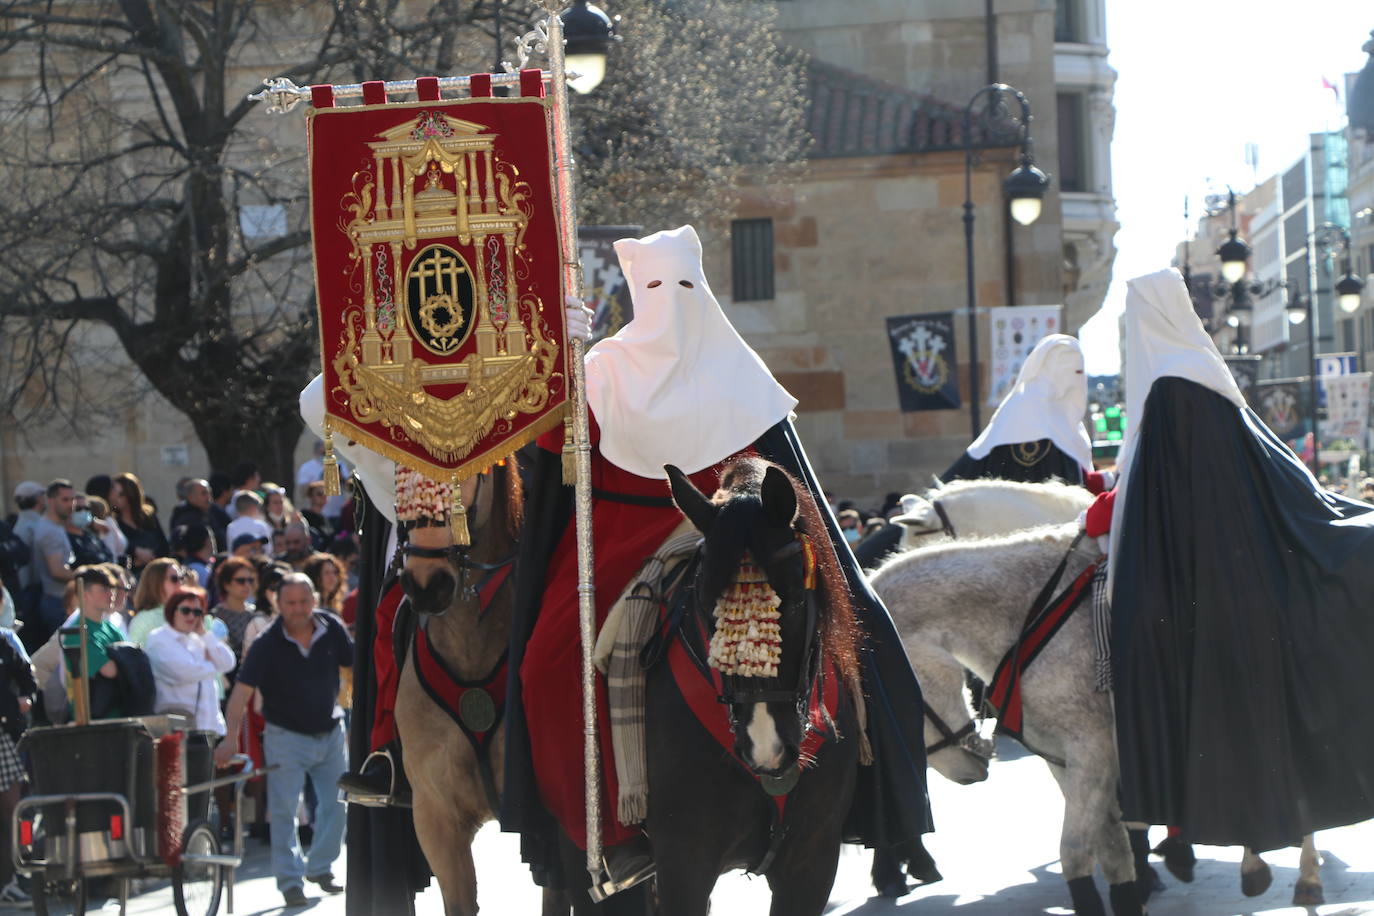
[586, 590]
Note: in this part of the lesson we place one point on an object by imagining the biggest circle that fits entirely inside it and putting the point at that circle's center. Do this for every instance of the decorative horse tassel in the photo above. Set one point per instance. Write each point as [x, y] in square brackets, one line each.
[569, 455]
[748, 637]
[458, 518]
[333, 485]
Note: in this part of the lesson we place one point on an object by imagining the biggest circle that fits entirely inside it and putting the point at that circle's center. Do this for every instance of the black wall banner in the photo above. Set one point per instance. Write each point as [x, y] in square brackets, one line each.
[1282, 405]
[924, 360]
[608, 296]
[1245, 370]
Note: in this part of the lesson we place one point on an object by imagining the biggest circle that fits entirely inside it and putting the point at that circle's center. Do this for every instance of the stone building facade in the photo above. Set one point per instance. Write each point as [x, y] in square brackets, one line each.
[874, 228]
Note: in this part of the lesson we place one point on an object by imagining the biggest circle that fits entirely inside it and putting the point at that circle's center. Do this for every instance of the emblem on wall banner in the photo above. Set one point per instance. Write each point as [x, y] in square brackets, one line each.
[924, 361]
[437, 275]
[1015, 332]
[1279, 403]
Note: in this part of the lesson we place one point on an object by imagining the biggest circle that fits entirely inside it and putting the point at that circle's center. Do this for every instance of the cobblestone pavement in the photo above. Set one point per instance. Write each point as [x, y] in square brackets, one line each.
[997, 846]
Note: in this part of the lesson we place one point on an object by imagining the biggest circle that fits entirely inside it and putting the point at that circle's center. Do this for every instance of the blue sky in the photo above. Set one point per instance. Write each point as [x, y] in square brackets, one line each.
[1197, 81]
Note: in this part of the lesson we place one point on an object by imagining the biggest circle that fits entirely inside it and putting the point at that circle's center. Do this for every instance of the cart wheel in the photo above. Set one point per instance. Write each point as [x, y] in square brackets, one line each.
[45, 892]
[196, 887]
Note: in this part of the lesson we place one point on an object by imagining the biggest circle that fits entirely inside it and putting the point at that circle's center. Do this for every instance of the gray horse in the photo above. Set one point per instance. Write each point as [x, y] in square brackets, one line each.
[961, 604]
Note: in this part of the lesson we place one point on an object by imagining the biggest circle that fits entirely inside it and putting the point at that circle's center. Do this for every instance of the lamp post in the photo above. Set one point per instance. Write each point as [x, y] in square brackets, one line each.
[590, 34]
[1025, 188]
[1300, 307]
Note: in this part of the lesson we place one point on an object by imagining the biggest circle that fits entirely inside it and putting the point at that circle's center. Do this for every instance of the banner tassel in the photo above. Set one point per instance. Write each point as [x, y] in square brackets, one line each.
[569, 455]
[333, 485]
[458, 518]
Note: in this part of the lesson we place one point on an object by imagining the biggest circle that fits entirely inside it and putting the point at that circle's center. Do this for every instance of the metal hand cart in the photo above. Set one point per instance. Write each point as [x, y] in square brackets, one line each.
[125, 799]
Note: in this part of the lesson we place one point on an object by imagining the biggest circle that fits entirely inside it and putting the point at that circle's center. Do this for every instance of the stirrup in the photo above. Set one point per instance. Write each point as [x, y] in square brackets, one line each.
[611, 885]
[391, 798]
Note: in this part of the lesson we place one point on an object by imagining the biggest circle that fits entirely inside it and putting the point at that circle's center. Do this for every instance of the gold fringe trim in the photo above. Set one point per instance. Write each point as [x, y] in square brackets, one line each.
[333, 485]
[473, 465]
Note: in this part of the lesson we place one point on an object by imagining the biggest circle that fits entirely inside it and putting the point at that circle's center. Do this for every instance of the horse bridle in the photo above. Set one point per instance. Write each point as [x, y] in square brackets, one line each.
[966, 738]
[807, 674]
[946, 526]
[458, 556]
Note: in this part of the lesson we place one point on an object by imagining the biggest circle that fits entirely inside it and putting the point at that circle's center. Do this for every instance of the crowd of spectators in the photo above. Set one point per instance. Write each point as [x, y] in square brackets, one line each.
[184, 604]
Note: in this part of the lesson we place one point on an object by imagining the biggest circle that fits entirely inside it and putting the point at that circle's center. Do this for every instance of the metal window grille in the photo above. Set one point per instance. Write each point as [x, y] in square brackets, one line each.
[751, 246]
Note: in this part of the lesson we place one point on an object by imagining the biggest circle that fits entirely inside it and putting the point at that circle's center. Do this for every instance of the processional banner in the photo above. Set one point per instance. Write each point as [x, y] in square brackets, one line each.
[1282, 405]
[924, 360]
[1015, 332]
[1245, 371]
[437, 272]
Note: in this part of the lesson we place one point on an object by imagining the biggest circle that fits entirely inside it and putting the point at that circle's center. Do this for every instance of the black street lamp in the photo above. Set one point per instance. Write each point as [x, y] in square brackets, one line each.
[588, 35]
[1349, 288]
[1233, 252]
[1025, 189]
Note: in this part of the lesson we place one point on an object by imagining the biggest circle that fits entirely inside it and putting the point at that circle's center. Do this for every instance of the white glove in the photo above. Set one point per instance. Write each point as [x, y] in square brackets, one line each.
[1082, 520]
[577, 318]
[1108, 480]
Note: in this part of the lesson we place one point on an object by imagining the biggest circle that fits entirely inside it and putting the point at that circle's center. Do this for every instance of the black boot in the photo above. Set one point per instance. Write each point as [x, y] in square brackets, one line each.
[1126, 899]
[1178, 858]
[887, 875]
[381, 782]
[1086, 902]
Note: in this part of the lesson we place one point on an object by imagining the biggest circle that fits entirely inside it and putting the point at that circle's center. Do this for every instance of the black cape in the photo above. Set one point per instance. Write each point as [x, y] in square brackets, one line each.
[890, 809]
[1242, 633]
[386, 866]
[1028, 462]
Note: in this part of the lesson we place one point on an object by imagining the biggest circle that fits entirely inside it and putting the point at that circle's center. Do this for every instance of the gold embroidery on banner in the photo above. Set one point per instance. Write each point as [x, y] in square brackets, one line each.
[441, 300]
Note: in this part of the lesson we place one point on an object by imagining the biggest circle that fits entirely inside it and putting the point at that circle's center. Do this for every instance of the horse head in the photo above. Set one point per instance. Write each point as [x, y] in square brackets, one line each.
[755, 544]
[954, 746]
[436, 571]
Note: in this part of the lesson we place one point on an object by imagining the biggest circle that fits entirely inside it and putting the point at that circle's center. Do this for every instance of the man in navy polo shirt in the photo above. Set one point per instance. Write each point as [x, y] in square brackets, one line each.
[295, 665]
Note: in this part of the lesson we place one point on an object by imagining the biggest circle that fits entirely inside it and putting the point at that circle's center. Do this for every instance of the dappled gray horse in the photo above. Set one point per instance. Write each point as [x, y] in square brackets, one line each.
[961, 604]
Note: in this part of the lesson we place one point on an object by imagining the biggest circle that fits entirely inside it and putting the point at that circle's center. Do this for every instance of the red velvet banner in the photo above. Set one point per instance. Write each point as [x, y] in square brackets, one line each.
[437, 274]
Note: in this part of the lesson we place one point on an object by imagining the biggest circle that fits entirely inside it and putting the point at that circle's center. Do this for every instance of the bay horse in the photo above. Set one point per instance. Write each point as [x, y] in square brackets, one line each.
[710, 808]
[961, 605]
[462, 600]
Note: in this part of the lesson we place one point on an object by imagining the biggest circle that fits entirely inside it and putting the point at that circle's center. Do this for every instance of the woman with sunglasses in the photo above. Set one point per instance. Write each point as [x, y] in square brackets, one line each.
[160, 579]
[236, 583]
[187, 659]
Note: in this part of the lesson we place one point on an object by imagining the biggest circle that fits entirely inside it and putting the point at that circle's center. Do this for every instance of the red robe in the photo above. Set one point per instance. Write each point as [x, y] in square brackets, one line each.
[623, 535]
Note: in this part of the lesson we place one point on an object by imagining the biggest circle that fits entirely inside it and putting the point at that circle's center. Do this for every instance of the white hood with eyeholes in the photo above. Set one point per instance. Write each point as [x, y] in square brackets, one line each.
[677, 385]
[1048, 401]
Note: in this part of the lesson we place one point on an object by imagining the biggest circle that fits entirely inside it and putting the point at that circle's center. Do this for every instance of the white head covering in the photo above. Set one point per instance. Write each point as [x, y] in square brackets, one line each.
[1047, 402]
[677, 385]
[1164, 338]
[378, 473]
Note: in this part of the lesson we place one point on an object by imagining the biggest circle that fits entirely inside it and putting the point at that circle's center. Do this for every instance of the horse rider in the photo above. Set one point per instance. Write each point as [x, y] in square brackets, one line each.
[1239, 631]
[677, 385]
[1037, 431]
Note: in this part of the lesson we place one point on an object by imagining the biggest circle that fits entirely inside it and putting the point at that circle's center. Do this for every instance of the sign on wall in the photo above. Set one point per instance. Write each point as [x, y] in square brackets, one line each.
[1347, 407]
[1015, 332]
[924, 360]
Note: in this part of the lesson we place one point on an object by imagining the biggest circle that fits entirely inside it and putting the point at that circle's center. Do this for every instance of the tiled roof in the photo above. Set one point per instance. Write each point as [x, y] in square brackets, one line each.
[854, 115]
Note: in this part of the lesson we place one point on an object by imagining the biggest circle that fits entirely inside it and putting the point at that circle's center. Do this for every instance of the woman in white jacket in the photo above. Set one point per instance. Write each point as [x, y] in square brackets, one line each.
[187, 659]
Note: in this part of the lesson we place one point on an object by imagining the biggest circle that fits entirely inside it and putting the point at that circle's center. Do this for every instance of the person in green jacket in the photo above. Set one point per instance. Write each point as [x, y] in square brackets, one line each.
[96, 587]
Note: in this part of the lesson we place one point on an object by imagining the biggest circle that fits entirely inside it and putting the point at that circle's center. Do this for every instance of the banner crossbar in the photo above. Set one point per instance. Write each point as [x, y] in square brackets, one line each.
[281, 94]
